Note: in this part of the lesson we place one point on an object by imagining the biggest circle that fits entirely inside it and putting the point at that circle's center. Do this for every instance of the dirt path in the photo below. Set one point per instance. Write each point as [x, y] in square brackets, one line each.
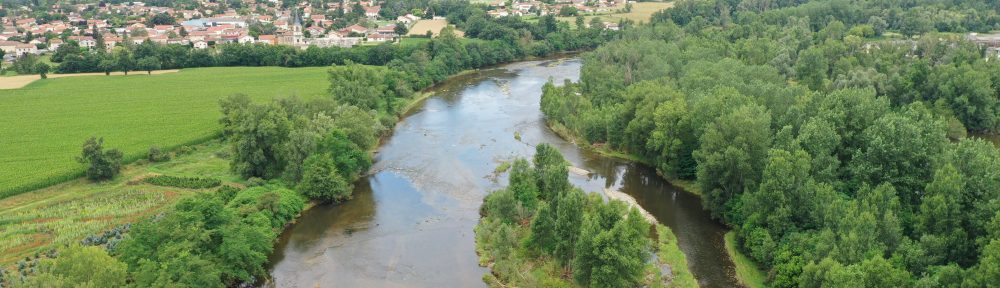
[15, 82]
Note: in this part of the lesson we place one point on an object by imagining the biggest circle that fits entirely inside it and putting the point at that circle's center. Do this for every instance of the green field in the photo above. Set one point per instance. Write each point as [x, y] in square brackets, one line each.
[46, 122]
[66, 213]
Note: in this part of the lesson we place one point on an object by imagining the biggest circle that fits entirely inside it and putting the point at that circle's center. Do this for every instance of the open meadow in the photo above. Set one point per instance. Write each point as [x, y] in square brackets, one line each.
[45, 123]
[434, 26]
[49, 218]
[641, 13]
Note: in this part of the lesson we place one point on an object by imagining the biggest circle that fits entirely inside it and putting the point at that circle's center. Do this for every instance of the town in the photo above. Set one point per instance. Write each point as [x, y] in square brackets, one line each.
[204, 24]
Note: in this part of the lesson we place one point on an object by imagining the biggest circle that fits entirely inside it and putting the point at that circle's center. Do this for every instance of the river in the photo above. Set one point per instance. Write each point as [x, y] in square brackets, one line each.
[411, 222]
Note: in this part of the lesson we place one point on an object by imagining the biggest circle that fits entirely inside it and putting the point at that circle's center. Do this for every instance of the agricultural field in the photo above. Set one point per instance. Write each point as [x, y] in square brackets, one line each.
[435, 26]
[641, 13]
[39, 221]
[46, 122]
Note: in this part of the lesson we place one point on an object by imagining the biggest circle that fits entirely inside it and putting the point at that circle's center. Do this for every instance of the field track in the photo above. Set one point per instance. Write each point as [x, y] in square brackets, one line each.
[15, 82]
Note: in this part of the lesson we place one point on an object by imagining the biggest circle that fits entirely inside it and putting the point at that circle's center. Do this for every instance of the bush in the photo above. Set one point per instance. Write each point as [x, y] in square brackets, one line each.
[183, 182]
[101, 165]
[184, 150]
[157, 155]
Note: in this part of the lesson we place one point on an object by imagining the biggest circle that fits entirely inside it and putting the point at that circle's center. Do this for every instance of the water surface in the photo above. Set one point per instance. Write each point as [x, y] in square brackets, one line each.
[411, 223]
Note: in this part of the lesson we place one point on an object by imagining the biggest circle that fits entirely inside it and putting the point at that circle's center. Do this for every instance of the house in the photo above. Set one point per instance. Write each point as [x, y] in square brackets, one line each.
[611, 26]
[380, 37]
[267, 39]
[354, 29]
[55, 43]
[84, 41]
[407, 19]
[372, 11]
[315, 30]
[25, 49]
[245, 39]
[386, 30]
[498, 13]
[200, 44]
[9, 47]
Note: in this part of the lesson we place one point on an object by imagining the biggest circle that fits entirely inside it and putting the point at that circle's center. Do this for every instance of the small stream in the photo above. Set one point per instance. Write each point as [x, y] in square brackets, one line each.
[411, 222]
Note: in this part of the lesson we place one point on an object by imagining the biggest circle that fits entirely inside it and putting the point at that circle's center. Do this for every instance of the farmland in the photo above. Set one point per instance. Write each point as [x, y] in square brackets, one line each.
[46, 121]
[52, 217]
[641, 13]
[435, 26]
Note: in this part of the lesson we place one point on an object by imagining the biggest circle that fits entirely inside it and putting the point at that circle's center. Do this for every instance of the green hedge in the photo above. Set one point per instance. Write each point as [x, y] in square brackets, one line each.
[183, 182]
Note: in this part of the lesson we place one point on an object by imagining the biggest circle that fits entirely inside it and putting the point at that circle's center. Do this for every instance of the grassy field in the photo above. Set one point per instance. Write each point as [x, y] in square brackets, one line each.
[747, 271]
[46, 122]
[422, 26]
[66, 213]
[641, 13]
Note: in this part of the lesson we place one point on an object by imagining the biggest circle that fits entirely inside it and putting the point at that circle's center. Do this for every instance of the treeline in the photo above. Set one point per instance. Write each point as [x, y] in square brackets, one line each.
[493, 41]
[541, 219]
[839, 160]
[905, 17]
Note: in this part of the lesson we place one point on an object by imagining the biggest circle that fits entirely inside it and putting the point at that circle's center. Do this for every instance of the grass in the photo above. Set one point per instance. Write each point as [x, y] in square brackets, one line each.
[53, 217]
[46, 122]
[670, 254]
[747, 271]
[641, 12]
[434, 26]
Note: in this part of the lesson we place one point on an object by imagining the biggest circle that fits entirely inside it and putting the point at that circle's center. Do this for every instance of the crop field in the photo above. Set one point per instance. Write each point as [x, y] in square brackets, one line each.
[66, 213]
[45, 123]
[641, 13]
[435, 26]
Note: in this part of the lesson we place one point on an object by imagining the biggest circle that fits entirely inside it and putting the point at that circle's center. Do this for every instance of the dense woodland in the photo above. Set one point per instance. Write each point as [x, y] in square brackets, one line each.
[838, 153]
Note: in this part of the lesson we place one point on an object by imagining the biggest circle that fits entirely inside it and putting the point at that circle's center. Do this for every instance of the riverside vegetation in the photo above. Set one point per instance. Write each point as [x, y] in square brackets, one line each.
[542, 232]
[282, 154]
[838, 154]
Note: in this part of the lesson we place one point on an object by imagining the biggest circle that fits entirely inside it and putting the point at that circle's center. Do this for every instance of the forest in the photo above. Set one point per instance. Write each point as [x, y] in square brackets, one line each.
[841, 151]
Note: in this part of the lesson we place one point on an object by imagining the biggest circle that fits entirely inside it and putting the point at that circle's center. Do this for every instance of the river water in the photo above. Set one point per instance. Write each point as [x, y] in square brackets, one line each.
[411, 222]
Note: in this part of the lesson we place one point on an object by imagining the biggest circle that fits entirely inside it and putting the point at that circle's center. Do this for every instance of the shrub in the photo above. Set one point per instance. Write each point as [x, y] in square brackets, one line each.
[184, 150]
[183, 182]
[101, 165]
[157, 155]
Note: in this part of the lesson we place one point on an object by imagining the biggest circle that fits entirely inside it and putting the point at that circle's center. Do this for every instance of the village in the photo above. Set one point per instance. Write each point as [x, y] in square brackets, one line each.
[340, 24]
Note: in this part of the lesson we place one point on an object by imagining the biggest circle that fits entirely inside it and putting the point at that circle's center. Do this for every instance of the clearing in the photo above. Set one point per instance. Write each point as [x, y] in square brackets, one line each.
[435, 26]
[46, 122]
[641, 13]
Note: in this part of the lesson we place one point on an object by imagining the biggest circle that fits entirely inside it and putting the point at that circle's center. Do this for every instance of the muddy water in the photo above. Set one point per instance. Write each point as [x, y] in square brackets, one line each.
[410, 223]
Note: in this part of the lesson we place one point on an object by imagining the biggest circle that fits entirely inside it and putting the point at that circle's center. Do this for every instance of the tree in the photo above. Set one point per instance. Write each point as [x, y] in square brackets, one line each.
[522, 183]
[811, 68]
[569, 217]
[107, 65]
[567, 11]
[101, 165]
[400, 29]
[619, 253]
[257, 133]
[731, 157]
[148, 64]
[321, 180]
[125, 61]
[42, 69]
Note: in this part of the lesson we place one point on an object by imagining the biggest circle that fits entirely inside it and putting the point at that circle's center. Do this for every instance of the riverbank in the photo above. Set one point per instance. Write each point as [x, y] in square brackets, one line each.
[747, 271]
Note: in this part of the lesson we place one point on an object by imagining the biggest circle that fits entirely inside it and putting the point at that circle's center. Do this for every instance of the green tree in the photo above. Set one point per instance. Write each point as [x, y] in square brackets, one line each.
[42, 69]
[569, 217]
[619, 253]
[101, 165]
[148, 64]
[731, 156]
[811, 68]
[322, 181]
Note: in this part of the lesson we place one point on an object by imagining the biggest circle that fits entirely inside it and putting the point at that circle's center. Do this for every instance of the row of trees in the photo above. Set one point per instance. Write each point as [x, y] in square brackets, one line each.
[839, 160]
[600, 244]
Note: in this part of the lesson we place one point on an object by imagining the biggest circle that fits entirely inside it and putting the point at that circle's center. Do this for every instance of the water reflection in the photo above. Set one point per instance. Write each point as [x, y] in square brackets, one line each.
[410, 223]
